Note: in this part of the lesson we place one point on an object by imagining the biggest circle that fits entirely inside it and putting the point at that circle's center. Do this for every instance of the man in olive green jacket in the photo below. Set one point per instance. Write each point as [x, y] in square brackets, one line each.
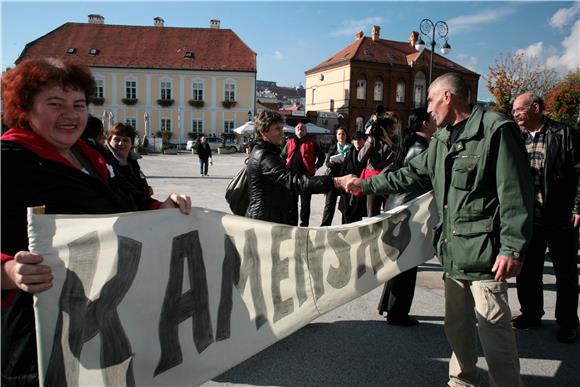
[477, 167]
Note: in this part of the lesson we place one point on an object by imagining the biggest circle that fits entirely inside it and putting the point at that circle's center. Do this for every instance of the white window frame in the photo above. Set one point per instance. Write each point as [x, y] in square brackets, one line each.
[163, 124]
[229, 126]
[378, 94]
[133, 86]
[100, 87]
[361, 89]
[197, 125]
[131, 121]
[194, 82]
[165, 89]
[230, 95]
[400, 91]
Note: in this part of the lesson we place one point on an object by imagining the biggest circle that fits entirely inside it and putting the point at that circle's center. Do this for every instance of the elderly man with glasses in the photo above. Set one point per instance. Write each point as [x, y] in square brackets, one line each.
[555, 163]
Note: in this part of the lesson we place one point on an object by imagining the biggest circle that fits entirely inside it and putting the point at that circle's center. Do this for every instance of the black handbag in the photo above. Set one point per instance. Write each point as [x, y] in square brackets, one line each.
[237, 194]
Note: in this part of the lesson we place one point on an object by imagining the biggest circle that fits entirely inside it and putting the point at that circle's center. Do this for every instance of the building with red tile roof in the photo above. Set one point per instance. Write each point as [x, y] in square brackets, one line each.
[184, 79]
[372, 71]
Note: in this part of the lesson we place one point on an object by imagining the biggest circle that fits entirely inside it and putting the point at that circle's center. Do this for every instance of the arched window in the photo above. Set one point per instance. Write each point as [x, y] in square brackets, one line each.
[360, 124]
[361, 88]
[400, 92]
[419, 90]
[378, 90]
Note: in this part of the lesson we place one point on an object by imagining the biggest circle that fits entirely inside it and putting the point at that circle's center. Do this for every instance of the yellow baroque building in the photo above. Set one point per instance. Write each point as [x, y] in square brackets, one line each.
[157, 78]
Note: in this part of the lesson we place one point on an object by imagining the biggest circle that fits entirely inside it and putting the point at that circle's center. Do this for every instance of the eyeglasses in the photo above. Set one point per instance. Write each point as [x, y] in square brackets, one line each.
[521, 109]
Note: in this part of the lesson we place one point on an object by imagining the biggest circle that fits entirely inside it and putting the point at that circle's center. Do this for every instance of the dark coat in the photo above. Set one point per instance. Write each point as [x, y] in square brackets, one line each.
[136, 183]
[561, 173]
[353, 207]
[28, 180]
[203, 151]
[416, 148]
[272, 186]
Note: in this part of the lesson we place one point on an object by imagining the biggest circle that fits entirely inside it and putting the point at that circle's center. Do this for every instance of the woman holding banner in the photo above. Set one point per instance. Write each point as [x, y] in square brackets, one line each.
[45, 164]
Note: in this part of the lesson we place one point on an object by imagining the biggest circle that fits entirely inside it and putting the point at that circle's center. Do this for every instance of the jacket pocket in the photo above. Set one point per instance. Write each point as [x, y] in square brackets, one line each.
[463, 173]
[472, 245]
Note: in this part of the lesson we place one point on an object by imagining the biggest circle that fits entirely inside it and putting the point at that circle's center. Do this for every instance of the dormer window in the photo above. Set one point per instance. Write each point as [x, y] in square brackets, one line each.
[188, 55]
[71, 50]
[93, 51]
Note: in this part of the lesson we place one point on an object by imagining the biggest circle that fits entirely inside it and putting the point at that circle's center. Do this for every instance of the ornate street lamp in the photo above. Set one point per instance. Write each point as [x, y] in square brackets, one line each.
[249, 115]
[437, 31]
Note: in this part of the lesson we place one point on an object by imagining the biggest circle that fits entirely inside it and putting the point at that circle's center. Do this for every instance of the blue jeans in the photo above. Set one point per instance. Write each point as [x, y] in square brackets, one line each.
[203, 163]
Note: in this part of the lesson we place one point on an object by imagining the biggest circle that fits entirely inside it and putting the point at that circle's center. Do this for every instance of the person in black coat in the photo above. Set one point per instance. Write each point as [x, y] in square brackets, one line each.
[399, 291]
[120, 155]
[335, 163]
[273, 186]
[204, 154]
[353, 207]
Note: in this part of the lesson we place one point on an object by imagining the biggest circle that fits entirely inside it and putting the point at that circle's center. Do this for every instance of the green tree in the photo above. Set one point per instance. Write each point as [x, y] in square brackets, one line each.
[514, 74]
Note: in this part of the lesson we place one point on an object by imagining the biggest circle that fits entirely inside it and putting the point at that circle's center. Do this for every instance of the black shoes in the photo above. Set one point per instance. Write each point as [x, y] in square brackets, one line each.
[523, 322]
[402, 321]
[567, 335]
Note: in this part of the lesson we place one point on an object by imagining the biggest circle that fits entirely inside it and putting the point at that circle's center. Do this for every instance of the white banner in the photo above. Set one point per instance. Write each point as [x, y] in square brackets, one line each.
[160, 298]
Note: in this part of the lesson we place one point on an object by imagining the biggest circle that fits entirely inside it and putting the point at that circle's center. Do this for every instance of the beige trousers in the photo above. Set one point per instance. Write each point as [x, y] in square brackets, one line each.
[481, 308]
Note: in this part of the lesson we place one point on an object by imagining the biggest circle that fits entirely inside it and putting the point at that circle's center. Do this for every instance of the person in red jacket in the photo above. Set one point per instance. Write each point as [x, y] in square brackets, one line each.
[303, 154]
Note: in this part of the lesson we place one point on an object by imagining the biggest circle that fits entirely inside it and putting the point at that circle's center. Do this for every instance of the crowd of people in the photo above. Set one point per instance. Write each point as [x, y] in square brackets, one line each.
[505, 191]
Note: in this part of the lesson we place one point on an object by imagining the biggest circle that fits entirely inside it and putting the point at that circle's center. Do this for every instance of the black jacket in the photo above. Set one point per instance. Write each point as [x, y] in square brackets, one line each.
[135, 181]
[31, 180]
[204, 151]
[561, 173]
[415, 149]
[334, 168]
[272, 186]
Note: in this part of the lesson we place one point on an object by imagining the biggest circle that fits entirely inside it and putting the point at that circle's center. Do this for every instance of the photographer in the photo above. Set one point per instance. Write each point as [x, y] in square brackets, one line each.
[379, 152]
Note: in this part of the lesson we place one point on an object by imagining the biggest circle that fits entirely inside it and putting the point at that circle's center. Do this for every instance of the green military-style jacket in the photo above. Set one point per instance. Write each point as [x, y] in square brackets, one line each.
[483, 188]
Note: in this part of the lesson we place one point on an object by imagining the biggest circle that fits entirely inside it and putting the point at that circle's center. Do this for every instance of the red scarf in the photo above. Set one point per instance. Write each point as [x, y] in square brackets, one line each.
[36, 144]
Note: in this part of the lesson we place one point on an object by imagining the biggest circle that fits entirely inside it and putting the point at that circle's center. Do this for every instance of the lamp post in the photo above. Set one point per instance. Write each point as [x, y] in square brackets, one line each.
[249, 115]
[436, 31]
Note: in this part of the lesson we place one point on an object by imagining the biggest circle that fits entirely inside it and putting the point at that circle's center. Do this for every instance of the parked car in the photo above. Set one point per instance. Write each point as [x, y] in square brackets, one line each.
[214, 144]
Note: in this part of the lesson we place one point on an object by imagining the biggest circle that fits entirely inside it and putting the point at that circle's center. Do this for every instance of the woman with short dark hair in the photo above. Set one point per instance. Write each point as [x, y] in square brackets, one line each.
[119, 145]
[272, 185]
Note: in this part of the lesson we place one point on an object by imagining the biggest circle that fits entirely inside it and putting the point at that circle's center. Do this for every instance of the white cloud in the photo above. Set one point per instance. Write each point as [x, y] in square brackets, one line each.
[350, 27]
[561, 59]
[570, 58]
[468, 61]
[534, 50]
[470, 22]
[279, 56]
[564, 16]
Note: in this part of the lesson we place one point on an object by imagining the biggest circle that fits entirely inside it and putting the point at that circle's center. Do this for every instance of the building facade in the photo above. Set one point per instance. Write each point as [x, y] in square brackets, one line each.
[374, 71]
[157, 78]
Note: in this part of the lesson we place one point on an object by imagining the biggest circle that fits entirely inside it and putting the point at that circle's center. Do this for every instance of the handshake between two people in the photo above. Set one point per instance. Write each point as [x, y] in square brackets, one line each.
[349, 183]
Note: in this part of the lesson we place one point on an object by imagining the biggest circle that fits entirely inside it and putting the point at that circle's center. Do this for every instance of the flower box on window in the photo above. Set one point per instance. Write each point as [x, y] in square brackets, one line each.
[165, 102]
[130, 101]
[195, 104]
[98, 101]
[229, 104]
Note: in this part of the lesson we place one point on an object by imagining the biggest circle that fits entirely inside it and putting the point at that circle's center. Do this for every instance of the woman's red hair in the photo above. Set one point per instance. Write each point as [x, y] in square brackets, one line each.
[21, 84]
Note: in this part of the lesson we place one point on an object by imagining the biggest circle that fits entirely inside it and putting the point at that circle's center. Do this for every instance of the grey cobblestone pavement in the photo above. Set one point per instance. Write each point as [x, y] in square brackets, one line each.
[353, 345]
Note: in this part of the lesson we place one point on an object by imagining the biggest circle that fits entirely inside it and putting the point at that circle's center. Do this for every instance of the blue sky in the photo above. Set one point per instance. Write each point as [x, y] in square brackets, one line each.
[292, 37]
